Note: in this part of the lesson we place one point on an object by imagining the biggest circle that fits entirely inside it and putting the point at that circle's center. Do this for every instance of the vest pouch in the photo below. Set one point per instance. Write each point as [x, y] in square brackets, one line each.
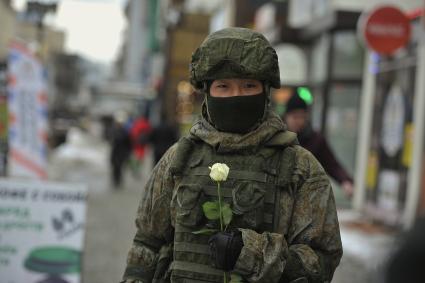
[189, 199]
[162, 271]
[248, 202]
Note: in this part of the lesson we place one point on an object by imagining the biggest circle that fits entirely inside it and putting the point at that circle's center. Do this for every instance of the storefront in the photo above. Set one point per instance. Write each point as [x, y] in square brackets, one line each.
[336, 80]
[334, 75]
[391, 146]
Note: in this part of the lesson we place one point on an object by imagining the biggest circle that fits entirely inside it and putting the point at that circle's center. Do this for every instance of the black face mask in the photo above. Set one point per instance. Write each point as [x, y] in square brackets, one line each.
[236, 114]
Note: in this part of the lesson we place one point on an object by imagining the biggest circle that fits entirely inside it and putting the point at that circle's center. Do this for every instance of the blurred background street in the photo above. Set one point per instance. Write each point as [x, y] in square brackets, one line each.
[93, 92]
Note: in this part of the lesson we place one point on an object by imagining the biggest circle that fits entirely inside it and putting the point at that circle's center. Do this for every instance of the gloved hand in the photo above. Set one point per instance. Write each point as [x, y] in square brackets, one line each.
[225, 248]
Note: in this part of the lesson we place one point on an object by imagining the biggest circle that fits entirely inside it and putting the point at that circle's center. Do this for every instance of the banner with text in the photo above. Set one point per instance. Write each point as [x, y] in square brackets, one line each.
[41, 231]
[27, 103]
[4, 114]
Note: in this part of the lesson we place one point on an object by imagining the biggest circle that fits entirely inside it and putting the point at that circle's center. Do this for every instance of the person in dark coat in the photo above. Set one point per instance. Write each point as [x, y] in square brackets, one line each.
[406, 262]
[162, 137]
[121, 147]
[296, 118]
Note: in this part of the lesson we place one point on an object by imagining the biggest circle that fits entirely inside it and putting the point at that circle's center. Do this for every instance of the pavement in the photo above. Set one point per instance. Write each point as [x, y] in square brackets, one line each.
[111, 212]
[367, 248]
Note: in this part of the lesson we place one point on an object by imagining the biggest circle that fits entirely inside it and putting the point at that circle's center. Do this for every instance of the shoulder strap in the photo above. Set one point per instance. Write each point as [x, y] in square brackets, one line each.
[285, 142]
[282, 139]
[284, 179]
[286, 166]
[183, 150]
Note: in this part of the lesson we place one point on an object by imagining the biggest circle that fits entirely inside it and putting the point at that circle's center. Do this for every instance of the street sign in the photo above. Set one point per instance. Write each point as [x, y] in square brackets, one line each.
[385, 30]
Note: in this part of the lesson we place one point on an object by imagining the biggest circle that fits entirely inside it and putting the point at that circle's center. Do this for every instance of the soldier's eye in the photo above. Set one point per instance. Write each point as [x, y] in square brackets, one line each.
[221, 86]
[251, 85]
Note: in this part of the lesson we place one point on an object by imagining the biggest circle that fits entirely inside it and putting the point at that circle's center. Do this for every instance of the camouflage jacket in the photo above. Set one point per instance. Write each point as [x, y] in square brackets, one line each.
[308, 251]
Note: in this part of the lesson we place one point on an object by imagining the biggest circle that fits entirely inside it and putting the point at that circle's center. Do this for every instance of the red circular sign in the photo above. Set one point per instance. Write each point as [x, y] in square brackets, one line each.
[386, 29]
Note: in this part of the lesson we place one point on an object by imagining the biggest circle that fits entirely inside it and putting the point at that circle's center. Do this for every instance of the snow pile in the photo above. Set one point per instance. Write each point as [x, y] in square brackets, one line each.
[82, 148]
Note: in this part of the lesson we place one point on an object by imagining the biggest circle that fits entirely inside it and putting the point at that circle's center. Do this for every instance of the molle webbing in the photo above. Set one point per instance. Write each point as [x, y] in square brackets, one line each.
[227, 193]
[235, 174]
[210, 191]
[270, 168]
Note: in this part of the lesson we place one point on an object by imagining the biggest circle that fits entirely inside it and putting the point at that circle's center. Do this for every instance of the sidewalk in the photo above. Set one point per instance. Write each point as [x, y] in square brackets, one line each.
[109, 234]
[111, 212]
[367, 247]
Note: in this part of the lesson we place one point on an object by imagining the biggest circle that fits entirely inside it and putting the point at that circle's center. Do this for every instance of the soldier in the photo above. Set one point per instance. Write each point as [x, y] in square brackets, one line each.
[284, 227]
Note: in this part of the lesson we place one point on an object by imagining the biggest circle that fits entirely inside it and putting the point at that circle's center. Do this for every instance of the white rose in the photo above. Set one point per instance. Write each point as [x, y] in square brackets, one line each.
[219, 172]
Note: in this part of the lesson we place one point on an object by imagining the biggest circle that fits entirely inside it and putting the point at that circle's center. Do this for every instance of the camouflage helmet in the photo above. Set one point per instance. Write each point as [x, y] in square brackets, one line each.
[235, 53]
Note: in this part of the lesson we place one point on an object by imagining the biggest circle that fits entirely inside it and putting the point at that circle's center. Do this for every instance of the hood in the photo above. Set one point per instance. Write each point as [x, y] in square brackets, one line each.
[230, 142]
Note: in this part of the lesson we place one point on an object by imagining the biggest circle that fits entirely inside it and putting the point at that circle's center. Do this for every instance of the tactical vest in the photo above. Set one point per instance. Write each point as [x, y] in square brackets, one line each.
[252, 190]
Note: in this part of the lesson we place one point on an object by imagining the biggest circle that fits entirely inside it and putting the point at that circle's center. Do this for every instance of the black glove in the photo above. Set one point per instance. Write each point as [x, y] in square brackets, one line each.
[225, 248]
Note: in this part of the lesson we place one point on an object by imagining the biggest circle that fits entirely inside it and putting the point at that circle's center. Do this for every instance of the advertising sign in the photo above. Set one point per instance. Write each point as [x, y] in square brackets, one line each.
[3, 118]
[386, 29]
[41, 231]
[27, 105]
[393, 121]
[388, 192]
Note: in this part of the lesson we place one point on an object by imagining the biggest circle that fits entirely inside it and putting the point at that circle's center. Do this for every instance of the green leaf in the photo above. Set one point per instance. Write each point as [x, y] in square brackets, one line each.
[205, 231]
[211, 210]
[235, 278]
[227, 213]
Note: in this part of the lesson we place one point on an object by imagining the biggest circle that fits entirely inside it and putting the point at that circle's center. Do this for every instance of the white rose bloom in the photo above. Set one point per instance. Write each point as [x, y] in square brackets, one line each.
[219, 172]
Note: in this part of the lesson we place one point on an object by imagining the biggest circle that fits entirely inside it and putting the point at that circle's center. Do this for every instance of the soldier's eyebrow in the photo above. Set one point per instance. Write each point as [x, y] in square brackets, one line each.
[219, 81]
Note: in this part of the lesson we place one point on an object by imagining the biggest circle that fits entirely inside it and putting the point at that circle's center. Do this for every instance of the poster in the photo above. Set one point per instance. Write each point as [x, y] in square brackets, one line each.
[393, 122]
[407, 155]
[388, 195]
[41, 231]
[27, 105]
[372, 170]
[3, 118]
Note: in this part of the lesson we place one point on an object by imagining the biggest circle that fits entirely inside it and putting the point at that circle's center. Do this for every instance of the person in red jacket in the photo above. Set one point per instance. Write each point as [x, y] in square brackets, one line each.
[139, 133]
[296, 118]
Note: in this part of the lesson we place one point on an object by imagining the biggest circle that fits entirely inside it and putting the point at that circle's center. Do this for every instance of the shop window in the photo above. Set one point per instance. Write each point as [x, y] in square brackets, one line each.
[320, 59]
[342, 122]
[348, 54]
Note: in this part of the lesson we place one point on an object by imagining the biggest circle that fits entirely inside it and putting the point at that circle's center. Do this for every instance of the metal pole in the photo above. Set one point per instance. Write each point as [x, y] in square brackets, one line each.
[414, 175]
[364, 131]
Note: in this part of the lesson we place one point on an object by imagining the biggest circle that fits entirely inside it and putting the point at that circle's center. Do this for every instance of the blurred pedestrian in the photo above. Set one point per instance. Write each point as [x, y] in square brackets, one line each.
[139, 133]
[297, 119]
[407, 262]
[120, 148]
[162, 137]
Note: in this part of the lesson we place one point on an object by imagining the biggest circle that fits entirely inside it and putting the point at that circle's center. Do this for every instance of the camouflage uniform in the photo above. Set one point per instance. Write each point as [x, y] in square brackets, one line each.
[281, 196]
